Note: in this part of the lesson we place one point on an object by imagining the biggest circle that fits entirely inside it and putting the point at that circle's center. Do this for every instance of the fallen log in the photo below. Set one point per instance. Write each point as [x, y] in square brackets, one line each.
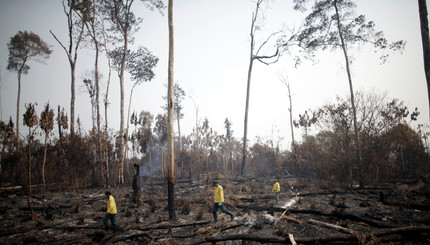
[411, 205]
[346, 215]
[164, 226]
[409, 231]
[244, 237]
[332, 226]
[127, 237]
[232, 227]
[339, 214]
[401, 230]
[292, 219]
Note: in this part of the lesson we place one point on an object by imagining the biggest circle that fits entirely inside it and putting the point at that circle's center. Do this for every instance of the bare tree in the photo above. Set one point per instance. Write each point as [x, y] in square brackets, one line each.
[255, 55]
[95, 30]
[284, 79]
[170, 130]
[75, 26]
[24, 47]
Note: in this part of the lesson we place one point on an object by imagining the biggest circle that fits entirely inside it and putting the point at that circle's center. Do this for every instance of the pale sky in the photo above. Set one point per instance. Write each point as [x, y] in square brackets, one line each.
[211, 65]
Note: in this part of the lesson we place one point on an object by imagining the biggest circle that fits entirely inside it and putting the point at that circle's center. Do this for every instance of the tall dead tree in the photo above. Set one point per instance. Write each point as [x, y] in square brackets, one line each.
[422, 5]
[252, 57]
[170, 129]
[283, 78]
[75, 26]
[95, 32]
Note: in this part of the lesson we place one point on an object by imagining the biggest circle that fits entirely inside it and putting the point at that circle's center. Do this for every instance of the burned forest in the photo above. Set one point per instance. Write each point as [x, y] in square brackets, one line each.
[226, 122]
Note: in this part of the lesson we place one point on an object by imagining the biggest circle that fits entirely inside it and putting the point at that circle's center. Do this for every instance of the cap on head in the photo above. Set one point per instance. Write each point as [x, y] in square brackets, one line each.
[107, 193]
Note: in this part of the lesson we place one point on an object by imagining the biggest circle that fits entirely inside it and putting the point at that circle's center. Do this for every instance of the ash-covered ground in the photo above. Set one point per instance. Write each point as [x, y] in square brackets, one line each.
[309, 212]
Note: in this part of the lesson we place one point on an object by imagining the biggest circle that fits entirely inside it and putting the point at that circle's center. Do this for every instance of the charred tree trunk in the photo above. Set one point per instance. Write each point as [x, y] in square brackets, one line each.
[422, 5]
[29, 177]
[171, 136]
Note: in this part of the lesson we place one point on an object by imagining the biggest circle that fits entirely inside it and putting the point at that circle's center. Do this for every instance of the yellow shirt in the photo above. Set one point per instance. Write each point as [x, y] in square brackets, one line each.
[111, 206]
[219, 194]
[276, 187]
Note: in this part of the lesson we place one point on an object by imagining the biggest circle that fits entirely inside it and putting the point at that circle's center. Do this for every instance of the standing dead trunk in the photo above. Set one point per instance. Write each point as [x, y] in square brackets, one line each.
[253, 57]
[121, 127]
[99, 132]
[17, 109]
[290, 109]
[59, 124]
[44, 159]
[106, 134]
[245, 130]
[29, 176]
[128, 125]
[422, 5]
[171, 136]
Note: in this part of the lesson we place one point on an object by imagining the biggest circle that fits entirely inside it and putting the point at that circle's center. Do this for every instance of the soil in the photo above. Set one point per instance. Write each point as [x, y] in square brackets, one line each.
[308, 212]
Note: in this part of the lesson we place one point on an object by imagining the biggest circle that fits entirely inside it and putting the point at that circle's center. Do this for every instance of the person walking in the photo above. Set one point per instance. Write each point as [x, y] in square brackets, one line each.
[276, 188]
[110, 212]
[219, 201]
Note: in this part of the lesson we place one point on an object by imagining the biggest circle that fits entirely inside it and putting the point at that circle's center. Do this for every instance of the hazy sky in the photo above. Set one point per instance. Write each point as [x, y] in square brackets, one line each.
[211, 64]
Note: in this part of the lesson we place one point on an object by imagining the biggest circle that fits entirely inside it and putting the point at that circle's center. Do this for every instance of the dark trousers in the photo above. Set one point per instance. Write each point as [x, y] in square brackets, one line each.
[277, 196]
[112, 218]
[217, 205]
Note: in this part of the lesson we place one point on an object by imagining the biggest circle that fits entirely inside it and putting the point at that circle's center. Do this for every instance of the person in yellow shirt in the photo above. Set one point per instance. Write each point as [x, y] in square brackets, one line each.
[110, 212]
[276, 188]
[219, 201]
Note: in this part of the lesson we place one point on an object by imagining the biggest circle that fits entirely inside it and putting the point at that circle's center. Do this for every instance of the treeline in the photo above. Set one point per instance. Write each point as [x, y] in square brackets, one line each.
[390, 149]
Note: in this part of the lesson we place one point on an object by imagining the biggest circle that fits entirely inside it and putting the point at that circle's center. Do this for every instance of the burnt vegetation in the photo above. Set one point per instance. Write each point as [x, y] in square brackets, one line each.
[359, 174]
[321, 200]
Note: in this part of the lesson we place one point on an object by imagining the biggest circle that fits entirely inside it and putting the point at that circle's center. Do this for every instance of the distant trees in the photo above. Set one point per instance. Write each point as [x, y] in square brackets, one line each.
[24, 47]
[333, 24]
[385, 137]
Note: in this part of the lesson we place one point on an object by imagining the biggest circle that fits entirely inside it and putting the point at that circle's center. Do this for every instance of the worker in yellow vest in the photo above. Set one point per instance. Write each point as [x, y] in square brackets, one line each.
[110, 212]
[219, 201]
[276, 188]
